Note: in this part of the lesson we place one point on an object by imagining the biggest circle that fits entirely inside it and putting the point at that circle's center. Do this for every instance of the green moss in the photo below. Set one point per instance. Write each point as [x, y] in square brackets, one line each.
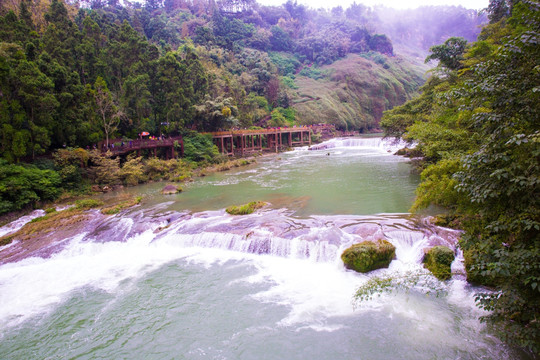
[38, 219]
[438, 260]
[6, 240]
[123, 205]
[367, 256]
[246, 208]
[88, 203]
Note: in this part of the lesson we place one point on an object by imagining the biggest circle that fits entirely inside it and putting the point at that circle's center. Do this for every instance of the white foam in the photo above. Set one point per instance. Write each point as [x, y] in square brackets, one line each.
[35, 285]
[314, 292]
[388, 145]
[20, 222]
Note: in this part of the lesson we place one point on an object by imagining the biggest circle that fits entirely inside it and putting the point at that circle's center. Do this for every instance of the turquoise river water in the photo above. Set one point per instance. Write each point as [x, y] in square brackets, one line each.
[178, 278]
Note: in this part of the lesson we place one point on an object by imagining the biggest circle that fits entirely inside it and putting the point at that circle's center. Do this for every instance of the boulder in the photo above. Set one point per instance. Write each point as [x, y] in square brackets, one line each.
[171, 189]
[367, 256]
[438, 260]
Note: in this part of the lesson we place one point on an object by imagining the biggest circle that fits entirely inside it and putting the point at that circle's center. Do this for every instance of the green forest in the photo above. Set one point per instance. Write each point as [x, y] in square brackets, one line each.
[74, 74]
[476, 125]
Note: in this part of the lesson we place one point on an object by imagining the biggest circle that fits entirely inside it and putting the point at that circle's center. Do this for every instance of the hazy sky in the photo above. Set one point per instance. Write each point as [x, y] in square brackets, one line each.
[398, 4]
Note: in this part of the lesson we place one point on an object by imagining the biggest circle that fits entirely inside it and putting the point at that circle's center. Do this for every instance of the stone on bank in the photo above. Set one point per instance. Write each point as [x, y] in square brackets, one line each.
[171, 189]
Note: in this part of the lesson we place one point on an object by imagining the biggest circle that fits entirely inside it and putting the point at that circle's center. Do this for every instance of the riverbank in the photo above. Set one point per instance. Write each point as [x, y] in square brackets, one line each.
[52, 226]
[55, 225]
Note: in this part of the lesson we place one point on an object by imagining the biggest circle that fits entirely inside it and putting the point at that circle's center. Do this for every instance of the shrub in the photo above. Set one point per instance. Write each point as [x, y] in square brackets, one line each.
[367, 256]
[155, 168]
[23, 185]
[132, 173]
[199, 147]
[106, 170]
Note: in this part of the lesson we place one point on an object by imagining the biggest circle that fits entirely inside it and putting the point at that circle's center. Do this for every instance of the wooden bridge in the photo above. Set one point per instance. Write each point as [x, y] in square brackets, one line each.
[233, 142]
[121, 147]
[238, 142]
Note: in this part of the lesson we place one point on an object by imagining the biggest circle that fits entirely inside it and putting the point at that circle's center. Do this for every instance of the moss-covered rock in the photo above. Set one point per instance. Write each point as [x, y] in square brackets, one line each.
[438, 260]
[367, 256]
[246, 208]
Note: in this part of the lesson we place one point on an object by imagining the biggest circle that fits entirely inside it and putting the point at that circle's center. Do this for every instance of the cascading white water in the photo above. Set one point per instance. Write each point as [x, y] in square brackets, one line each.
[385, 145]
[20, 222]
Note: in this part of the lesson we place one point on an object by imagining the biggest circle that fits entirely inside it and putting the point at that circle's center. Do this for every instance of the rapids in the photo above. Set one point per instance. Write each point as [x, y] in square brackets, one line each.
[179, 278]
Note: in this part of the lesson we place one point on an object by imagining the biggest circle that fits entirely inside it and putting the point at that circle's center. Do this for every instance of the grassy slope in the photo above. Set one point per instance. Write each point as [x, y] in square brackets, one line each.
[357, 90]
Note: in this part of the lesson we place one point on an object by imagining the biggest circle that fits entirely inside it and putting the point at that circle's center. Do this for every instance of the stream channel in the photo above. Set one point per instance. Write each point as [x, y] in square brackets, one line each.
[179, 278]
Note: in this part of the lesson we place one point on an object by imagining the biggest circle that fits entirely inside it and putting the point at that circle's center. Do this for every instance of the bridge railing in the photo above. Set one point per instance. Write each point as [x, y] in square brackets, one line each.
[130, 145]
[259, 131]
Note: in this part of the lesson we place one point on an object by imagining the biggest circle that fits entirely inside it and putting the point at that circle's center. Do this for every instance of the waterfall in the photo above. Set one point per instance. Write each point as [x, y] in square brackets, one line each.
[317, 239]
[385, 145]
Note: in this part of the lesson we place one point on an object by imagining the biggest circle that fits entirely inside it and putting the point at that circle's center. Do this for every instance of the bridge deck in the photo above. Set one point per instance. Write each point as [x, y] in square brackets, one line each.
[119, 147]
[241, 141]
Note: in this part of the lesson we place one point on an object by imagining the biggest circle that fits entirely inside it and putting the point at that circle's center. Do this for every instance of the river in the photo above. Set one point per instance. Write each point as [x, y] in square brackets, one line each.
[178, 278]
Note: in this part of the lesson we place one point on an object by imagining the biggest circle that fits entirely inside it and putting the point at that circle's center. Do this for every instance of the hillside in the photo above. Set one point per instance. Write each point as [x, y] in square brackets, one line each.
[78, 72]
[356, 90]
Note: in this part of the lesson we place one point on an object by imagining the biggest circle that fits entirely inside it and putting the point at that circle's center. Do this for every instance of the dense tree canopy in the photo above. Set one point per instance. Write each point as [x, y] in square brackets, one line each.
[479, 130]
[73, 74]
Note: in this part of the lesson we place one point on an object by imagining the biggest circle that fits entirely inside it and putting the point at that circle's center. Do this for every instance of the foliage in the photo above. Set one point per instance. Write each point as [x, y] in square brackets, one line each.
[132, 172]
[501, 177]
[280, 40]
[282, 117]
[449, 54]
[367, 256]
[229, 32]
[438, 260]
[215, 114]
[312, 72]
[480, 132]
[172, 170]
[381, 43]
[419, 281]
[199, 148]
[438, 187]
[395, 122]
[286, 63]
[73, 77]
[26, 185]
[70, 164]
[106, 170]
[245, 209]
